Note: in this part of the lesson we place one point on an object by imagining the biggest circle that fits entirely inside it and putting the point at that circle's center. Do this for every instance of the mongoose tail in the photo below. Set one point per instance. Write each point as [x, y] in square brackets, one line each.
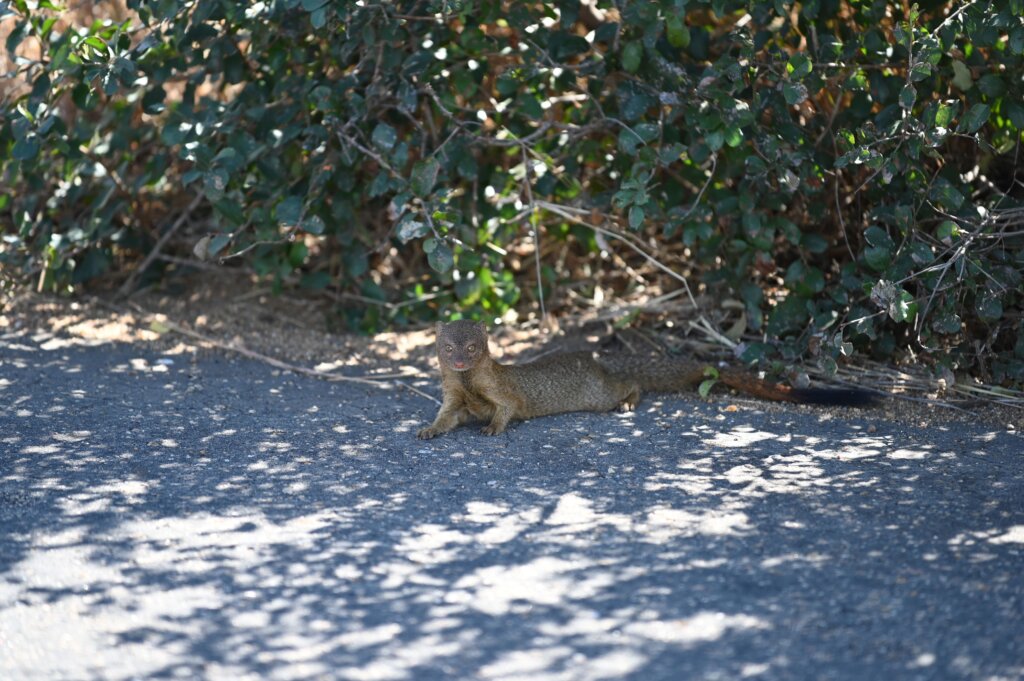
[674, 374]
[836, 397]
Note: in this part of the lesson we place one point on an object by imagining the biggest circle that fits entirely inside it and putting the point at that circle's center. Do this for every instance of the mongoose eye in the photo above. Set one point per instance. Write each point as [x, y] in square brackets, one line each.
[447, 348]
[471, 348]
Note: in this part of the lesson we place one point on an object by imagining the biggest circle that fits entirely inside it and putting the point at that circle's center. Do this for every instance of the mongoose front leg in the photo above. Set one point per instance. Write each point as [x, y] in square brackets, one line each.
[502, 415]
[631, 400]
[452, 413]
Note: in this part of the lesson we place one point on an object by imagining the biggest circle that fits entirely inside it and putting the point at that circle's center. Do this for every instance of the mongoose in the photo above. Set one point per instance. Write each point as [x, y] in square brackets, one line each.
[475, 386]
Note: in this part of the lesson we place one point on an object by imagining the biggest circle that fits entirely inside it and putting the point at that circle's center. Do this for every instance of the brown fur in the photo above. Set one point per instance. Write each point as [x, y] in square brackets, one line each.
[476, 387]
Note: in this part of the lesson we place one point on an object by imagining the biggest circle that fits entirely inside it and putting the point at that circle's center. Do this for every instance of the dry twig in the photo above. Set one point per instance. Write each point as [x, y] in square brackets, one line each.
[376, 381]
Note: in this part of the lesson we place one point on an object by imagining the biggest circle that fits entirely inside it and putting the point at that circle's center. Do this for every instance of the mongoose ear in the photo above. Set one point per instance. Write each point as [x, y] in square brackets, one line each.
[482, 326]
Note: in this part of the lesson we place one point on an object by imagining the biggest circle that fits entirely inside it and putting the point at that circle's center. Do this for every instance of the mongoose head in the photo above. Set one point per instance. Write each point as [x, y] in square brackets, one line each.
[461, 344]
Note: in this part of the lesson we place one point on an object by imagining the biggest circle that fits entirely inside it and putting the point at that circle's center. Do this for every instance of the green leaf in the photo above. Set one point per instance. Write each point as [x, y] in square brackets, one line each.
[230, 210]
[677, 32]
[632, 54]
[756, 352]
[1015, 112]
[289, 211]
[313, 224]
[878, 258]
[921, 253]
[943, 115]
[711, 377]
[805, 280]
[153, 101]
[467, 166]
[897, 303]
[628, 141]
[908, 95]
[962, 78]
[989, 307]
[215, 182]
[704, 389]
[440, 257]
[920, 71]
[109, 82]
[380, 185]
[814, 243]
[60, 56]
[26, 148]
[563, 45]
[947, 231]
[975, 118]
[648, 132]
[424, 176]
[945, 194]
[407, 96]
[947, 323]
[635, 106]
[297, 254]
[636, 217]
[623, 198]
[530, 105]
[751, 223]
[384, 137]
[1016, 42]
[794, 93]
[788, 316]
[410, 228]
[876, 236]
[95, 43]
[671, 153]
[799, 65]
[903, 308]
[991, 85]
[217, 244]
[228, 158]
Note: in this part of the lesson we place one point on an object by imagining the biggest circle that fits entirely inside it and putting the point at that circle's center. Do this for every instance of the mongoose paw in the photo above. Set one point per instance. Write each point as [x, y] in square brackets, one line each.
[427, 433]
[630, 401]
[492, 430]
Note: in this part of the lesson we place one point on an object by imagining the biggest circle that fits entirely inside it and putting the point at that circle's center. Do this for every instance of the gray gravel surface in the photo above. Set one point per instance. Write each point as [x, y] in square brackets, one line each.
[167, 516]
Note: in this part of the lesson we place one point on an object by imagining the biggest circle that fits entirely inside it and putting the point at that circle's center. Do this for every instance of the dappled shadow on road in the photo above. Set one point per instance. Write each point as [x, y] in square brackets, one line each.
[219, 519]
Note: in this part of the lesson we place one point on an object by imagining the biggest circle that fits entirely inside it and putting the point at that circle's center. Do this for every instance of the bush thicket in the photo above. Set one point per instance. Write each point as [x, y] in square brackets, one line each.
[846, 169]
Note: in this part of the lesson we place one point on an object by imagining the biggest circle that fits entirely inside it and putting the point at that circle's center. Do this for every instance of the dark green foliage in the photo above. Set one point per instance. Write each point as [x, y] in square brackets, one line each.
[845, 169]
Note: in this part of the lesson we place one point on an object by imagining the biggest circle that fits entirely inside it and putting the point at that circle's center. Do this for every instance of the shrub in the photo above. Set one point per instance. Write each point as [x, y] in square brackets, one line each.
[845, 169]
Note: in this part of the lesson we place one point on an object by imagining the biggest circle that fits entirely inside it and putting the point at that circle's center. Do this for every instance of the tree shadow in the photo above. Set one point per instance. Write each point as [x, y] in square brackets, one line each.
[176, 517]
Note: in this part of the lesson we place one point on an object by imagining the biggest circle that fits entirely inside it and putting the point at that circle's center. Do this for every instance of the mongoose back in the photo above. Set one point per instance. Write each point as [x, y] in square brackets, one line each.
[476, 387]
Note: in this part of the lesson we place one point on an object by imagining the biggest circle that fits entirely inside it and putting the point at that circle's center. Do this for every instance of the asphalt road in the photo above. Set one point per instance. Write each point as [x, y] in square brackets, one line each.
[168, 517]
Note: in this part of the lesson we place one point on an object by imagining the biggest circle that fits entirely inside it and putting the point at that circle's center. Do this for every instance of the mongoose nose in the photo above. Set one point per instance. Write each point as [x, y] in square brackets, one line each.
[459, 365]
